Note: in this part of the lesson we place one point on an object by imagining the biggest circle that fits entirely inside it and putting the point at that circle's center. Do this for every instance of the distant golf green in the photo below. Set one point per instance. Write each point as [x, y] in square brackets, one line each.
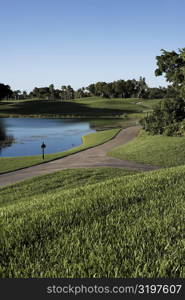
[87, 107]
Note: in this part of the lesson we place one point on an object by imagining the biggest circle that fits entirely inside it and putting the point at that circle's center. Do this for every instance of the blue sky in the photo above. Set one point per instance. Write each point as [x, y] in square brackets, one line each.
[78, 42]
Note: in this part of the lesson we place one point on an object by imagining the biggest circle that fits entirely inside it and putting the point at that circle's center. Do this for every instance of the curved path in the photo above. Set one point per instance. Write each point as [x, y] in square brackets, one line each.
[94, 157]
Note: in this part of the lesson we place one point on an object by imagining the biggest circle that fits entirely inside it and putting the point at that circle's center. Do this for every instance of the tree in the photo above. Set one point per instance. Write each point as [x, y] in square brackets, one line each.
[100, 88]
[67, 92]
[5, 91]
[24, 94]
[63, 93]
[70, 92]
[35, 93]
[41, 93]
[172, 65]
[119, 88]
[16, 94]
[172, 92]
[157, 93]
[57, 93]
[91, 89]
[108, 90]
[51, 90]
[142, 88]
[79, 93]
[168, 116]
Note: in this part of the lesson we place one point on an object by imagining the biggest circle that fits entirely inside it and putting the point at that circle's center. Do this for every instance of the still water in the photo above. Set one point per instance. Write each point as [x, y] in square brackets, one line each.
[24, 136]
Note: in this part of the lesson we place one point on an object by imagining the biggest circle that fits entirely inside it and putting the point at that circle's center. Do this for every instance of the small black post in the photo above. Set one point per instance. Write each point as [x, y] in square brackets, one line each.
[43, 146]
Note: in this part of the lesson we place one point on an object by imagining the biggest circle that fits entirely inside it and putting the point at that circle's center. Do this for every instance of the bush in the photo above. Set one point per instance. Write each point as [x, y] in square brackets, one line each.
[166, 118]
[172, 129]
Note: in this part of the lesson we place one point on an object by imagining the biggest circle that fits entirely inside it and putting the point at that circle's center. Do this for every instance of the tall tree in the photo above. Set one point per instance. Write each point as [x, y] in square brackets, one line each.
[70, 92]
[167, 117]
[119, 88]
[172, 65]
[142, 88]
[5, 91]
[42, 93]
[51, 90]
[91, 89]
[16, 94]
[24, 94]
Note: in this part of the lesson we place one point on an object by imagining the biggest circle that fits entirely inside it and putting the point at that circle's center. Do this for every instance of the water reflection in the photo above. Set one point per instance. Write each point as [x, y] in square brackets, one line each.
[5, 140]
[25, 135]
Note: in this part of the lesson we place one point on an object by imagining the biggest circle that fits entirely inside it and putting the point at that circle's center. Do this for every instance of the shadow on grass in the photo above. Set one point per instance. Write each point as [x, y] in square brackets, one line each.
[63, 108]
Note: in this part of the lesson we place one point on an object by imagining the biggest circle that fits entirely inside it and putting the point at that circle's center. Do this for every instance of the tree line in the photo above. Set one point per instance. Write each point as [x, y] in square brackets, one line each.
[116, 89]
[171, 64]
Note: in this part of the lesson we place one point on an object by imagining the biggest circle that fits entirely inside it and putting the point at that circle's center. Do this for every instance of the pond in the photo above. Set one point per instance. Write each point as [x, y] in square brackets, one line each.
[24, 136]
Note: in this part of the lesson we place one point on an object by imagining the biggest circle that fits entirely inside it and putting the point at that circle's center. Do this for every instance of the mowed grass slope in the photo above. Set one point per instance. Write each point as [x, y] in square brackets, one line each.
[127, 226]
[58, 181]
[155, 150]
[86, 107]
[8, 164]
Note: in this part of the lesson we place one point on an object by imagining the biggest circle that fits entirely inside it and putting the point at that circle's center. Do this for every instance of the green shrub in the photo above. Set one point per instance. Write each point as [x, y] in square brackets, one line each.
[166, 118]
[172, 129]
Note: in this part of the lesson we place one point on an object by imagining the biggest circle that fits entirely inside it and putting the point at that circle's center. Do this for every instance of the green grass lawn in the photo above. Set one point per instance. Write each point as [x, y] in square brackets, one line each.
[85, 107]
[150, 103]
[91, 140]
[124, 225]
[58, 181]
[155, 150]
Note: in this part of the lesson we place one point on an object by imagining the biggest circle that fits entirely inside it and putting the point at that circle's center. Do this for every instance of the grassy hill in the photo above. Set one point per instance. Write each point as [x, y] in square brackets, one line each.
[85, 107]
[155, 150]
[126, 225]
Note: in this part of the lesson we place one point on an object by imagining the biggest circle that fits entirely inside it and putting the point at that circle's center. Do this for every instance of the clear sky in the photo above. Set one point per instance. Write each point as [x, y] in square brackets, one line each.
[78, 42]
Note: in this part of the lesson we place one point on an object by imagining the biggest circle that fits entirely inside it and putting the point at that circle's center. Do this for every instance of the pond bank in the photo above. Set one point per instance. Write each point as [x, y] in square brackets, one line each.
[95, 157]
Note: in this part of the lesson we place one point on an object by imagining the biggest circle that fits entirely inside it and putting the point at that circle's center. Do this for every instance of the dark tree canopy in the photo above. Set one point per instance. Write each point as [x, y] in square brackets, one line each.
[172, 65]
[166, 118]
[120, 88]
[5, 91]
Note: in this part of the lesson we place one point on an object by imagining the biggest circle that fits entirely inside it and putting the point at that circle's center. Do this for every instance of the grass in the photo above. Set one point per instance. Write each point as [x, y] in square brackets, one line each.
[8, 164]
[85, 107]
[108, 123]
[155, 150]
[124, 226]
[58, 181]
[150, 103]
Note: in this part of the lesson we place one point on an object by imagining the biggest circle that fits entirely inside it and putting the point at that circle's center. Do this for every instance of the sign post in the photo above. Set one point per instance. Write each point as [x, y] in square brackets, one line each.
[43, 146]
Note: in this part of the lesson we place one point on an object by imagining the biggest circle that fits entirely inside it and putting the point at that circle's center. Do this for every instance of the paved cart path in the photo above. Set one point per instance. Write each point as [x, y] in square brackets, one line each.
[94, 157]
